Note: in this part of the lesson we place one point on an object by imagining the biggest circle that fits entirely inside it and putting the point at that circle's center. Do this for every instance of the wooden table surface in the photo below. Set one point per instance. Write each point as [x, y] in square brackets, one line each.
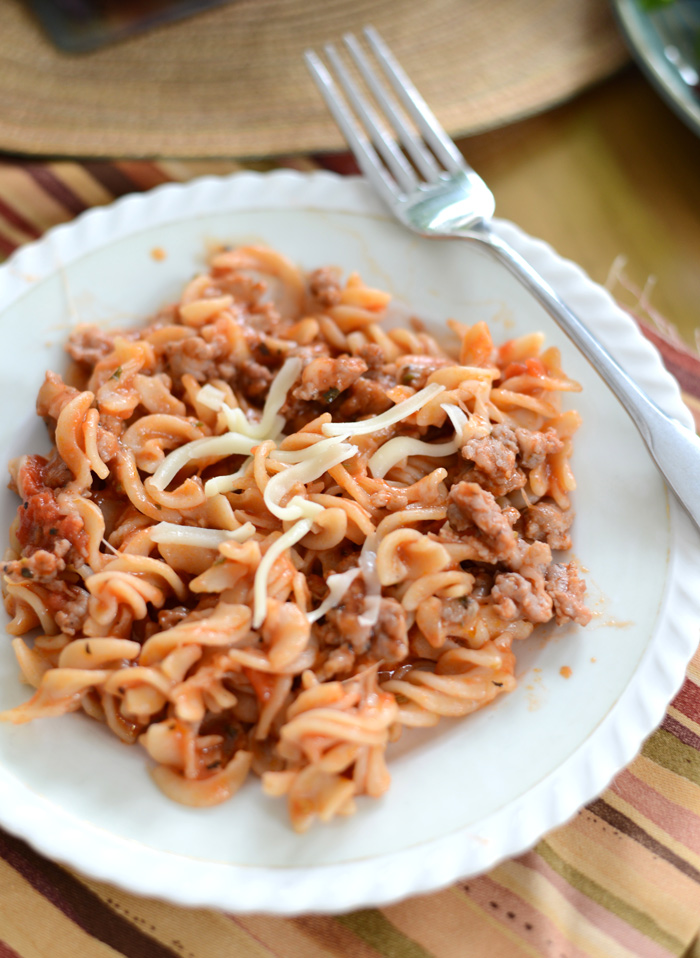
[611, 178]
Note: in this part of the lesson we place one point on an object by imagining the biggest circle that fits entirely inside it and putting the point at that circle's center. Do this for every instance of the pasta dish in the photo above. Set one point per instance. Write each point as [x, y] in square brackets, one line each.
[272, 533]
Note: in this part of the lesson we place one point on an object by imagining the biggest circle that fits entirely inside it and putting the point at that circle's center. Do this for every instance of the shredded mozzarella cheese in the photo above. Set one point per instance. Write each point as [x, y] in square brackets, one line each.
[285, 541]
[316, 460]
[389, 418]
[211, 397]
[338, 584]
[271, 423]
[373, 587]
[201, 538]
[393, 451]
[230, 444]
[466, 427]
[227, 483]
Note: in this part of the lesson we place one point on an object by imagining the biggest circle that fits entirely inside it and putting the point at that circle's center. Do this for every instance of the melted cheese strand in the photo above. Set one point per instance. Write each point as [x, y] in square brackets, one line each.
[211, 397]
[271, 423]
[401, 447]
[314, 461]
[398, 412]
[338, 584]
[373, 587]
[248, 433]
[285, 541]
[393, 451]
[200, 538]
[227, 483]
[458, 418]
[215, 447]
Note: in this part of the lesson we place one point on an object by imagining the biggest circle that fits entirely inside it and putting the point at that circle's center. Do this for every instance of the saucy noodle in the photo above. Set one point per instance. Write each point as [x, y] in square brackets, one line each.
[271, 534]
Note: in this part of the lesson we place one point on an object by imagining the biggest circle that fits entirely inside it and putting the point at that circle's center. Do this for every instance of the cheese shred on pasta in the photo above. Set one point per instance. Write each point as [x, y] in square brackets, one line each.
[272, 533]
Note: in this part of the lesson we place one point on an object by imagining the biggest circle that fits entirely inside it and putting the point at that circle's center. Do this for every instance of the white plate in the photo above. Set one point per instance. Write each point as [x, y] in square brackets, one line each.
[466, 794]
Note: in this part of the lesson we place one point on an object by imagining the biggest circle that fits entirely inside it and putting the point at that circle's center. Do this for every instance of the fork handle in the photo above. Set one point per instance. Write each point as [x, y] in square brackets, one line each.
[674, 447]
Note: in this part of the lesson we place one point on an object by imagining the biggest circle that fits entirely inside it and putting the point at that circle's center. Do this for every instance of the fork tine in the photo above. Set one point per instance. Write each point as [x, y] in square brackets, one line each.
[365, 154]
[386, 146]
[422, 159]
[419, 111]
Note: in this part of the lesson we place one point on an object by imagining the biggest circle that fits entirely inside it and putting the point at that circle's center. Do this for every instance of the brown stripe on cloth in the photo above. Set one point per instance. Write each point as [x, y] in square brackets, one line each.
[622, 823]
[144, 174]
[18, 221]
[78, 903]
[342, 163]
[7, 247]
[684, 734]
[679, 360]
[56, 188]
[7, 952]
[688, 700]
[109, 175]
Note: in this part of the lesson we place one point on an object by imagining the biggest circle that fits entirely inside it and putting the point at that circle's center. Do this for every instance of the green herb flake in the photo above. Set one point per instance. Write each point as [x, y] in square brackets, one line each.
[330, 394]
[117, 373]
[27, 573]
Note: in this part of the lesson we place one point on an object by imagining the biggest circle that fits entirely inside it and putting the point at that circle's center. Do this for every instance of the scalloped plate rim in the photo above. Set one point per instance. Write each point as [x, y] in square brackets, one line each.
[288, 891]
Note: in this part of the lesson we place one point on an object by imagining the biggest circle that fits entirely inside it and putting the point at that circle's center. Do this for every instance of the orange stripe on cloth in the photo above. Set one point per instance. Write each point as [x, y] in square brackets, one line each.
[641, 936]
[609, 870]
[566, 912]
[677, 822]
[674, 892]
[682, 793]
[449, 924]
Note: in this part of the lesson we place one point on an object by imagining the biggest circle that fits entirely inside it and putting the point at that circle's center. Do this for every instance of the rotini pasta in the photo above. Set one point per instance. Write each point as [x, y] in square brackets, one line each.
[272, 533]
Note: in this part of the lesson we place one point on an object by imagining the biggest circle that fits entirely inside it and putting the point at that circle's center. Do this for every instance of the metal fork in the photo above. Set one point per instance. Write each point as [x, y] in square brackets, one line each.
[437, 193]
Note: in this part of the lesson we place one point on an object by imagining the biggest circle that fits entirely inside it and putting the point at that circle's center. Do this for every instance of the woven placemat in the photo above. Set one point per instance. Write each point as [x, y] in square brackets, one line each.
[230, 82]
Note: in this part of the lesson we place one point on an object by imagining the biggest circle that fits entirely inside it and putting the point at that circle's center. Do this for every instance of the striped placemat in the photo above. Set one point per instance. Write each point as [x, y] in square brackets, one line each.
[622, 879]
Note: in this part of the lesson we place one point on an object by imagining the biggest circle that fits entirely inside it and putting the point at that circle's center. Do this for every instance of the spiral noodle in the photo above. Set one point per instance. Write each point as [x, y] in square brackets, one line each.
[272, 533]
